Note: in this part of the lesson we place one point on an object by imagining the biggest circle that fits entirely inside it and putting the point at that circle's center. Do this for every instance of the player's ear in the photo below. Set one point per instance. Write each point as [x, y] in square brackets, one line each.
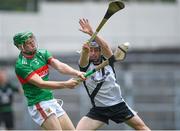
[20, 47]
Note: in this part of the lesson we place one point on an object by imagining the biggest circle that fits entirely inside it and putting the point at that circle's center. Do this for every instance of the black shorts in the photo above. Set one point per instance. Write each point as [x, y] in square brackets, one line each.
[117, 113]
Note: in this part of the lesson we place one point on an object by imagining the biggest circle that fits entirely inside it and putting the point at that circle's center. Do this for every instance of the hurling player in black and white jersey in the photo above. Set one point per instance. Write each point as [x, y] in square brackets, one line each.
[102, 87]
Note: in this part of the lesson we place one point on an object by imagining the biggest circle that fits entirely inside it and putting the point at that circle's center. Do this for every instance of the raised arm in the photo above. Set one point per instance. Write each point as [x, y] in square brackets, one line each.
[84, 57]
[86, 28]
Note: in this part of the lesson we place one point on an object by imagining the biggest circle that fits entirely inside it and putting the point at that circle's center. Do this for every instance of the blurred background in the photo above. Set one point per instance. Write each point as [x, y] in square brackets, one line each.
[149, 76]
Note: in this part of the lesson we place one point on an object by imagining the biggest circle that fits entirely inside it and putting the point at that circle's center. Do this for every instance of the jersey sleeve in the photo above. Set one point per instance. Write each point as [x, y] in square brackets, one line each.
[112, 60]
[84, 69]
[48, 56]
[24, 73]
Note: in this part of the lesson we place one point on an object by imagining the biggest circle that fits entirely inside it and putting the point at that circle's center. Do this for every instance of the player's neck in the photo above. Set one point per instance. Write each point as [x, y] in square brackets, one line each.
[28, 55]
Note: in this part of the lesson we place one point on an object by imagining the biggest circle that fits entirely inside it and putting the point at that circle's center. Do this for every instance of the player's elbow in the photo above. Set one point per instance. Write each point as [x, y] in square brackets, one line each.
[38, 83]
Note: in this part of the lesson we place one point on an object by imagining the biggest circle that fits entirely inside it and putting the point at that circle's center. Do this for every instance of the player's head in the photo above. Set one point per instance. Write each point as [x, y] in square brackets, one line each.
[25, 41]
[95, 51]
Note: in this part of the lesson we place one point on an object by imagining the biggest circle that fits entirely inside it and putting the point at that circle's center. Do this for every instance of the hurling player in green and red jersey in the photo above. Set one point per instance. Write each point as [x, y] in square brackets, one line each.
[32, 71]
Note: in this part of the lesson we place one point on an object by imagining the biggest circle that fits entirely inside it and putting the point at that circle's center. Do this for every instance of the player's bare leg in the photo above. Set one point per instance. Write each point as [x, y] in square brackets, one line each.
[87, 123]
[51, 123]
[136, 123]
[66, 123]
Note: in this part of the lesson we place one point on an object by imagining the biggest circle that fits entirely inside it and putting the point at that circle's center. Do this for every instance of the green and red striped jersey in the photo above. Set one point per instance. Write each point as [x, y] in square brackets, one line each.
[25, 68]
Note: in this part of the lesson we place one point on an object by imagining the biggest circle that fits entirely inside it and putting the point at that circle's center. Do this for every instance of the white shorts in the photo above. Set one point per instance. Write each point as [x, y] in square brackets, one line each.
[41, 111]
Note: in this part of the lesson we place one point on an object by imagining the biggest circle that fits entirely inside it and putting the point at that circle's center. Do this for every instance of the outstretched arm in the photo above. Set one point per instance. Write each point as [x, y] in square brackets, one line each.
[66, 69]
[86, 28]
[39, 82]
